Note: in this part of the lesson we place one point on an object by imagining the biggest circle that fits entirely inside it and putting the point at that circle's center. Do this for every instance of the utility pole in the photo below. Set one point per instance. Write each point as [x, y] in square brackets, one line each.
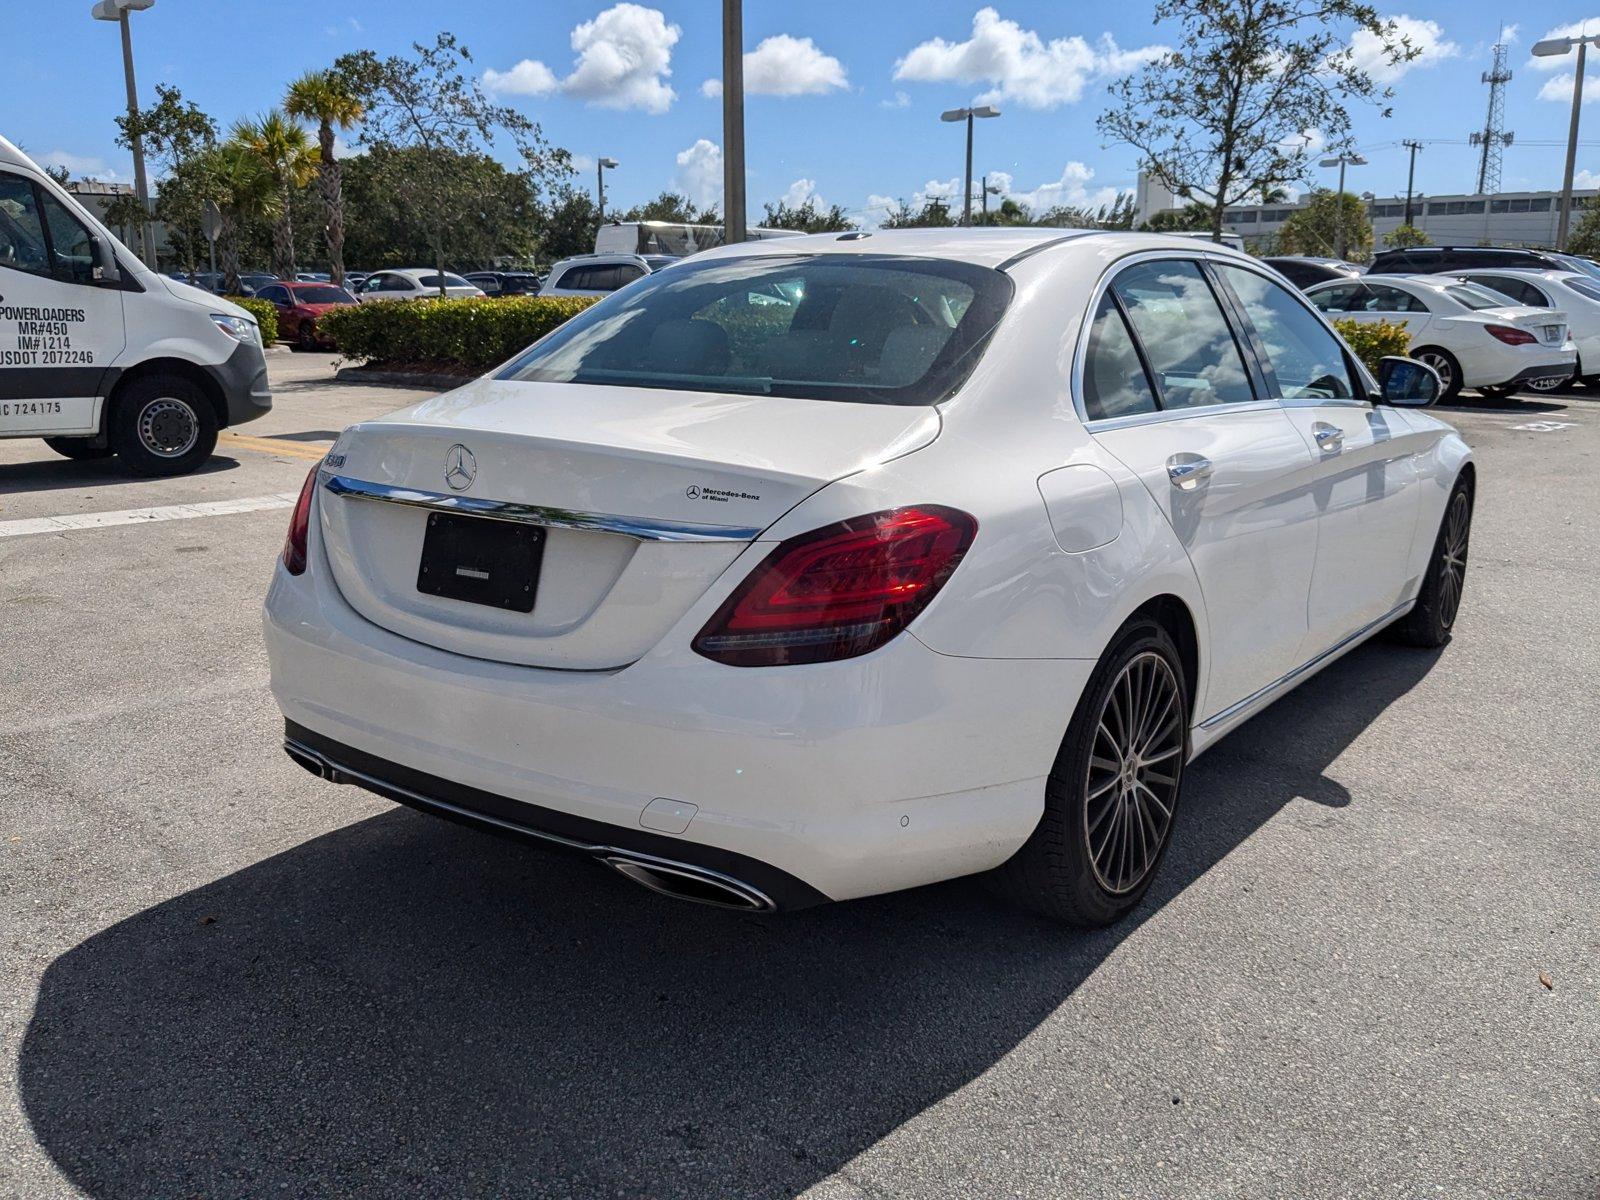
[733, 215]
[1412, 145]
[117, 10]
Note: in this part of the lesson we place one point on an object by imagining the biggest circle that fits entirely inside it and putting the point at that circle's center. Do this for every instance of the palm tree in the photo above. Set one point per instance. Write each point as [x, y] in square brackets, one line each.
[284, 148]
[325, 98]
[245, 192]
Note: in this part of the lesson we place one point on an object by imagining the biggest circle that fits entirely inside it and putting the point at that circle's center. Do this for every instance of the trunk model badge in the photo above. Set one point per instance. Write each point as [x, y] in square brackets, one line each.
[460, 468]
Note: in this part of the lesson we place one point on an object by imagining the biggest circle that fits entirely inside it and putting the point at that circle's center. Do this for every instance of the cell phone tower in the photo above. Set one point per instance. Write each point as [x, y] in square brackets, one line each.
[1493, 138]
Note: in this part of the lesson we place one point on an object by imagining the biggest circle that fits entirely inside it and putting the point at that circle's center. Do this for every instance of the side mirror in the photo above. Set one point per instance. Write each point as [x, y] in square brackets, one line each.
[1407, 383]
[105, 261]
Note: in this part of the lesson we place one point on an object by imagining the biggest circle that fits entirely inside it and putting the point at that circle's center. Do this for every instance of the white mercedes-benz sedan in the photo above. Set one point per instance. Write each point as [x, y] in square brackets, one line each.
[817, 568]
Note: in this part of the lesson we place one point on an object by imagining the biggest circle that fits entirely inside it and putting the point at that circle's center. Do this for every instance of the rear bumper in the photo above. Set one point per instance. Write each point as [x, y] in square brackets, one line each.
[837, 780]
[1539, 374]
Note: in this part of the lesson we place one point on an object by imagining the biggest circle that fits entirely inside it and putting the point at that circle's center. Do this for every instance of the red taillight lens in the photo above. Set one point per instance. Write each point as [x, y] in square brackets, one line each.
[294, 546]
[839, 591]
[1511, 336]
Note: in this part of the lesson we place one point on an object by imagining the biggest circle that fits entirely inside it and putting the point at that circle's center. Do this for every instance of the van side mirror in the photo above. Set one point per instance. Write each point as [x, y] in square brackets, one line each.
[1407, 383]
[105, 261]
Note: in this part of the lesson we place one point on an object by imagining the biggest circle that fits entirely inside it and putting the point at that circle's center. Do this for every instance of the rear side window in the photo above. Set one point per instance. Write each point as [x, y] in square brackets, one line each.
[1584, 287]
[582, 279]
[1380, 297]
[1307, 360]
[1114, 380]
[871, 329]
[1186, 339]
[450, 280]
[1344, 298]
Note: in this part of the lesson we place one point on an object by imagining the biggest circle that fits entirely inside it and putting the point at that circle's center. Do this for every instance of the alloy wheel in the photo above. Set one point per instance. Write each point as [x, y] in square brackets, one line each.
[1135, 763]
[1441, 364]
[168, 428]
[1453, 559]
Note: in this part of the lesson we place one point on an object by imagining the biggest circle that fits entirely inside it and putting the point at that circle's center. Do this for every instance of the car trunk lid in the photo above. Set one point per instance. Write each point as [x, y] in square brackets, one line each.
[644, 496]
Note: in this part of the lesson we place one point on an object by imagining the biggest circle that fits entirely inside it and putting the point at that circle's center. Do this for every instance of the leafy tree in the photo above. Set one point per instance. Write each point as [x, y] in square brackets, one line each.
[1116, 215]
[1314, 228]
[60, 174]
[327, 99]
[431, 116]
[1007, 212]
[1406, 235]
[176, 134]
[808, 217]
[1584, 237]
[284, 148]
[1190, 217]
[497, 218]
[674, 207]
[1222, 118]
[934, 213]
[246, 193]
[568, 225]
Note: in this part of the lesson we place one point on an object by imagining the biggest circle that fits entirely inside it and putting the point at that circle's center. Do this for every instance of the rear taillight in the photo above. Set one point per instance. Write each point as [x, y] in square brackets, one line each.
[1510, 335]
[294, 546]
[839, 591]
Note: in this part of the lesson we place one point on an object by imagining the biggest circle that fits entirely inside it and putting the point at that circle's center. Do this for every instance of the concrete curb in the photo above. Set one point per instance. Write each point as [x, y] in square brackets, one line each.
[411, 379]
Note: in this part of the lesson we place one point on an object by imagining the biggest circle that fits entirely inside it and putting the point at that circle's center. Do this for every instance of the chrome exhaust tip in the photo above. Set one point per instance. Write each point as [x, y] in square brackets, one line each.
[684, 882]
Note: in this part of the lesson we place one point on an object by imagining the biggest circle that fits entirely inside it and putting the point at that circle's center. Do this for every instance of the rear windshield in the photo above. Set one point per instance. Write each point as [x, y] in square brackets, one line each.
[449, 280]
[861, 328]
[1470, 295]
[323, 295]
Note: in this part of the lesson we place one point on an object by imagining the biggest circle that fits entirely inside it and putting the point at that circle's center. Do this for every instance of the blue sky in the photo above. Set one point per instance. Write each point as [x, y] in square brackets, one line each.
[866, 83]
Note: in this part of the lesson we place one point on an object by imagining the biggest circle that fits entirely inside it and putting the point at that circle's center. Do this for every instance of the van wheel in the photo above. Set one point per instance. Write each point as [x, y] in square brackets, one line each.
[1445, 364]
[77, 448]
[163, 425]
[1111, 797]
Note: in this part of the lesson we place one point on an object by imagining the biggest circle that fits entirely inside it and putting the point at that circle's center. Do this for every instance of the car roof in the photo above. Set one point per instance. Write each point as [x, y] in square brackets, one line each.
[1531, 272]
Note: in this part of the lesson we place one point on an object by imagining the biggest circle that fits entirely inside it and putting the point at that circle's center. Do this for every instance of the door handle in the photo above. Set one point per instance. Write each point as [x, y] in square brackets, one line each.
[1187, 470]
[1330, 438]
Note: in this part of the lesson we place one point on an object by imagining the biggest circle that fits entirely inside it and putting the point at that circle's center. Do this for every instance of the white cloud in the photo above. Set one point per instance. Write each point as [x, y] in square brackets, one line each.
[1425, 37]
[624, 58]
[1559, 88]
[878, 209]
[901, 100]
[1590, 25]
[786, 66]
[1584, 180]
[700, 173]
[528, 78]
[1018, 64]
[1508, 35]
[1071, 188]
[82, 166]
[800, 191]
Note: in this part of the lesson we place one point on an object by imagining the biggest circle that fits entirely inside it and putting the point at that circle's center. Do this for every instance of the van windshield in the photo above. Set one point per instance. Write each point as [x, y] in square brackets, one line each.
[871, 329]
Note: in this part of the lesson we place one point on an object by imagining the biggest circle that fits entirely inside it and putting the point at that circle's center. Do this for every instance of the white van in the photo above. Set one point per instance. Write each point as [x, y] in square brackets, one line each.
[99, 354]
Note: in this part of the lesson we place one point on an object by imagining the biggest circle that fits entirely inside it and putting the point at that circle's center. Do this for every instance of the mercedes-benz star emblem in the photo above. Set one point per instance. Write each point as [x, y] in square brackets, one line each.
[460, 468]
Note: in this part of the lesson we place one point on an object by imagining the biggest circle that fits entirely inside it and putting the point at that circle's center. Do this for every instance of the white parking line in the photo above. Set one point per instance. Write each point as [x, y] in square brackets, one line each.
[138, 516]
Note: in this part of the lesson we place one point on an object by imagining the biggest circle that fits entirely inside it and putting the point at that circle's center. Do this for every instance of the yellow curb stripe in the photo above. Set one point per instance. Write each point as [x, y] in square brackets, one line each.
[241, 441]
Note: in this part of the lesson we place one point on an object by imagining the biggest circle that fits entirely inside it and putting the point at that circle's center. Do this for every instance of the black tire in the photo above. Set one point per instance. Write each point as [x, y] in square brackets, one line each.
[1430, 622]
[1498, 393]
[1442, 361]
[306, 337]
[77, 448]
[1058, 872]
[162, 425]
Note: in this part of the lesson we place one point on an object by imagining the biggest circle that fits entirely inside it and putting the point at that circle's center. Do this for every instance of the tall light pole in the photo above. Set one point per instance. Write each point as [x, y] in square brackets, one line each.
[601, 167]
[1556, 48]
[967, 115]
[118, 10]
[1341, 161]
[733, 121]
[987, 191]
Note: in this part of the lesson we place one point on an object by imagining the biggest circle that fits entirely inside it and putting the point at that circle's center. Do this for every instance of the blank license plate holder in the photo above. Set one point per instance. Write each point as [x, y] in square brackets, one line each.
[481, 561]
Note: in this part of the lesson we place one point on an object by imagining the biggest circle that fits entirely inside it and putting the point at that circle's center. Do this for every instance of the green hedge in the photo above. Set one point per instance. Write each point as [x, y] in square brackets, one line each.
[469, 335]
[266, 316]
[1374, 342]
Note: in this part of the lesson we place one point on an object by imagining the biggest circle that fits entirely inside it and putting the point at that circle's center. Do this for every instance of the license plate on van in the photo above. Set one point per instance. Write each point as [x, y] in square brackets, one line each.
[481, 561]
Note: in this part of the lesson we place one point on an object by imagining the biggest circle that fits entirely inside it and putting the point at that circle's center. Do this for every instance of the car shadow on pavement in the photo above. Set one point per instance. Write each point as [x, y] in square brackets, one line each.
[405, 1008]
[52, 474]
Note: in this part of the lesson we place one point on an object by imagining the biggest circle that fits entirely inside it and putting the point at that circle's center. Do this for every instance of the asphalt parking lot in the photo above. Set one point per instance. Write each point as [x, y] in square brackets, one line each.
[222, 977]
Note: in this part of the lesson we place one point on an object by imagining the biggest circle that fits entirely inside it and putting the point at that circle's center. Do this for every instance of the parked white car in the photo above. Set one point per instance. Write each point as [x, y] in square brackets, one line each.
[818, 568]
[600, 274]
[1573, 292]
[1472, 337]
[414, 283]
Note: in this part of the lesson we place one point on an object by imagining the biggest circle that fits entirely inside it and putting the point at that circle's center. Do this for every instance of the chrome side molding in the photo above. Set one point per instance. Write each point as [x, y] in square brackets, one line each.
[644, 529]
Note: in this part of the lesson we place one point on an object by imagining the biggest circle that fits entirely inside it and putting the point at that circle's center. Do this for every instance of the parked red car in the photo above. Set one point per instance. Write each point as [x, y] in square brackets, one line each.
[300, 306]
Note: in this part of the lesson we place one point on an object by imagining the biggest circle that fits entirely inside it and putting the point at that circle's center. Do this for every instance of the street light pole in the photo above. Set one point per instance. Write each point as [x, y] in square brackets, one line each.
[117, 10]
[1559, 48]
[601, 167]
[1341, 161]
[733, 216]
[967, 115]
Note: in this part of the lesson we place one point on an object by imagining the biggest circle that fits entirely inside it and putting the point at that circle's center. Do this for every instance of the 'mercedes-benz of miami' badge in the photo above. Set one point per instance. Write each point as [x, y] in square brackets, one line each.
[460, 468]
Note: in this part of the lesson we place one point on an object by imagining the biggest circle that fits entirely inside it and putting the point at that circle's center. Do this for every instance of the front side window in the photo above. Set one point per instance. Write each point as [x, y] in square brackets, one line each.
[1190, 347]
[1308, 361]
[870, 329]
[1114, 382]
[71, 243]
[22, 242]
